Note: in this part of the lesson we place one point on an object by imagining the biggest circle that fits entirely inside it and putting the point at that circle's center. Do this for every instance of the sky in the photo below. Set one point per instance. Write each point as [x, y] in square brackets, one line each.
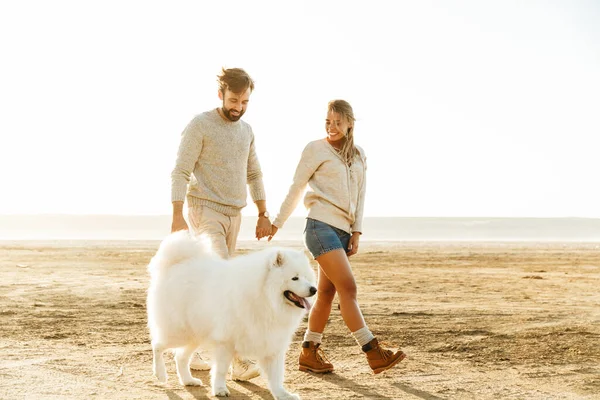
[464, 108]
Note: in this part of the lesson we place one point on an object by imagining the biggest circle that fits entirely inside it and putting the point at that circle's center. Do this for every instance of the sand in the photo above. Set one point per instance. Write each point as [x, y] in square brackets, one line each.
[478, 321]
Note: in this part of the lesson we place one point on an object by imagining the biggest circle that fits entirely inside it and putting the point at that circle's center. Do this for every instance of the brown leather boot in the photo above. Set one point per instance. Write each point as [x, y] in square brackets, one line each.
[381, 359]
[313, 359]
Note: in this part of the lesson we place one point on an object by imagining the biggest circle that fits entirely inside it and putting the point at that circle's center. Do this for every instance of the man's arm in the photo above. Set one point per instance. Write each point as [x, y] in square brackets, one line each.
[261, 206]
[188, 153]
[263, 225]
[257, 192]
[254, 177]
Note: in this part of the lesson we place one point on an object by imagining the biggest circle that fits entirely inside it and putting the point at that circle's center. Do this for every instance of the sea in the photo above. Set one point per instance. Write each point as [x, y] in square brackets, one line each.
[381, 229]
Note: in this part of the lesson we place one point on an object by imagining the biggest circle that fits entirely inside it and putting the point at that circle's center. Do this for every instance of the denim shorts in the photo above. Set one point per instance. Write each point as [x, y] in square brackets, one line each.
[321, 238]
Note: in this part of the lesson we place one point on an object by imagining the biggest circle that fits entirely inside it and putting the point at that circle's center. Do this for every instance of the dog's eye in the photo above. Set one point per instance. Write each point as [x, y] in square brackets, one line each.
[295, 278]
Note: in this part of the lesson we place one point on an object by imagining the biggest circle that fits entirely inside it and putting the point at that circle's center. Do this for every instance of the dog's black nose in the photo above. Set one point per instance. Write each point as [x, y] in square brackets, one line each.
[313, 290]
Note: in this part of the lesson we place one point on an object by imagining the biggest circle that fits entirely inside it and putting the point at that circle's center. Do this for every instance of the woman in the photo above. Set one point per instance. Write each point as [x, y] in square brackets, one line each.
[334, 169]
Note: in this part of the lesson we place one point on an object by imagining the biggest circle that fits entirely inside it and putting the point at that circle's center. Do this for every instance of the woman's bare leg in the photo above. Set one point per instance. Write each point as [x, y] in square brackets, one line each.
[319, 314]
[335, 271]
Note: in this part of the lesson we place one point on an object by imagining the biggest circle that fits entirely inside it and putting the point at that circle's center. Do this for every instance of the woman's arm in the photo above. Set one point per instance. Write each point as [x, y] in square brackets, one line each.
[358, 215]
[307, 166]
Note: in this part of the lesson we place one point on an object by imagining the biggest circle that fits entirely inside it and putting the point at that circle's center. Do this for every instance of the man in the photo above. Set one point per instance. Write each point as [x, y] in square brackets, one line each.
[217, 158]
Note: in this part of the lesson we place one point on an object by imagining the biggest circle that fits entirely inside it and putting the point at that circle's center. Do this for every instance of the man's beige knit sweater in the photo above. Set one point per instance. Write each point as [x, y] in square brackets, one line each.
[218, 159]
[336, 192]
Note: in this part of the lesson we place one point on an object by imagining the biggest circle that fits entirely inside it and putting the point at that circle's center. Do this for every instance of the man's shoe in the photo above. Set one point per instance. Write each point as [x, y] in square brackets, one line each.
[313, 359]
[243, 370]
[381, 359]
[198, 364]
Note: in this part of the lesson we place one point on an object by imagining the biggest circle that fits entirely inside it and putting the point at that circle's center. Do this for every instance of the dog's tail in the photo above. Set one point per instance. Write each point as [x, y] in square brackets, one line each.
[176, 248]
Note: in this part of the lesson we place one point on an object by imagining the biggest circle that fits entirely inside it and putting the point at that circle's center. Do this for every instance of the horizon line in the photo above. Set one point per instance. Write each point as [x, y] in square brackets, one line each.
[293, 216]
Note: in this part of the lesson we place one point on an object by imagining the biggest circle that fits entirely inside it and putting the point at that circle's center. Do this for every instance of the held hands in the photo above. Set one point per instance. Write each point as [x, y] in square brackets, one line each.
[263, 227]
[353, 244]
[274, 230]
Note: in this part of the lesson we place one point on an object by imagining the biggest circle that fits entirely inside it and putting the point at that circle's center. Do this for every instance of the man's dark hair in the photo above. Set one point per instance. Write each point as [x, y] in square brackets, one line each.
[235, 79]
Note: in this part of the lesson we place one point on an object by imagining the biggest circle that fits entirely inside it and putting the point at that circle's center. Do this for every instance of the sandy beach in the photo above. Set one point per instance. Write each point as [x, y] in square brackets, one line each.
[478, 321]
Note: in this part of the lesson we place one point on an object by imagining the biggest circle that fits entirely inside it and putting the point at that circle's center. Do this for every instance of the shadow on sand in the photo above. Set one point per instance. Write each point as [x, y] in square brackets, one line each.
[204, 392]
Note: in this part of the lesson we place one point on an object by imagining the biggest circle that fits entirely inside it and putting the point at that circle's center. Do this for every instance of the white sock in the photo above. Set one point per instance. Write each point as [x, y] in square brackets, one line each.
[313, 337]
[363, 336]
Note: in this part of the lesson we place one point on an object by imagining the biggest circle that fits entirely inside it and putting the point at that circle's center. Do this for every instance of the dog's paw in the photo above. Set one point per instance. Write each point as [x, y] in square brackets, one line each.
[191, 381]
[161, 375]
[221, 391]
[287, 396]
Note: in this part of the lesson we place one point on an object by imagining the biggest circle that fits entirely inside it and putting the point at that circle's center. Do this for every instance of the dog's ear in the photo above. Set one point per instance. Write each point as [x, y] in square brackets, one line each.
[279, 259]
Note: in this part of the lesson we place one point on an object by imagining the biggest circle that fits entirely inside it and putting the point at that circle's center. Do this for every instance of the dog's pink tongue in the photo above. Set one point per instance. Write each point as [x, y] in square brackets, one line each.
[305, 303]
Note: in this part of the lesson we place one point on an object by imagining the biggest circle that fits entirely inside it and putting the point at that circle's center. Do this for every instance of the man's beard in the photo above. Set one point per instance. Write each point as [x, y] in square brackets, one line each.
[227, 114]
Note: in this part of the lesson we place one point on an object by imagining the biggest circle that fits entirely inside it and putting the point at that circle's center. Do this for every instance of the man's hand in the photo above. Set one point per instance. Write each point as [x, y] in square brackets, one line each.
[274, 230]
[263, 227]
[353, 244]
[179, 224]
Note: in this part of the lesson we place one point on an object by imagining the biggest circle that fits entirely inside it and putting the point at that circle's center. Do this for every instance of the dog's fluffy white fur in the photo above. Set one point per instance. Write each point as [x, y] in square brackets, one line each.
[248, 305]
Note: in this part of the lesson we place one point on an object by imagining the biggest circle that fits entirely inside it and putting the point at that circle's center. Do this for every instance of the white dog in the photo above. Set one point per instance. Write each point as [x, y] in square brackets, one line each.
[248, 305]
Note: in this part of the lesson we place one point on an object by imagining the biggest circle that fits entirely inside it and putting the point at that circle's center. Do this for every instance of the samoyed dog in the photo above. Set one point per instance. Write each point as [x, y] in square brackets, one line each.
[249, 305]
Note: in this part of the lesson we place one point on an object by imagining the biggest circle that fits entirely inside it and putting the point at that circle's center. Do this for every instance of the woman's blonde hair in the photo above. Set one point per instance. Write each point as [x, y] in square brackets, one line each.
[342, 107]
